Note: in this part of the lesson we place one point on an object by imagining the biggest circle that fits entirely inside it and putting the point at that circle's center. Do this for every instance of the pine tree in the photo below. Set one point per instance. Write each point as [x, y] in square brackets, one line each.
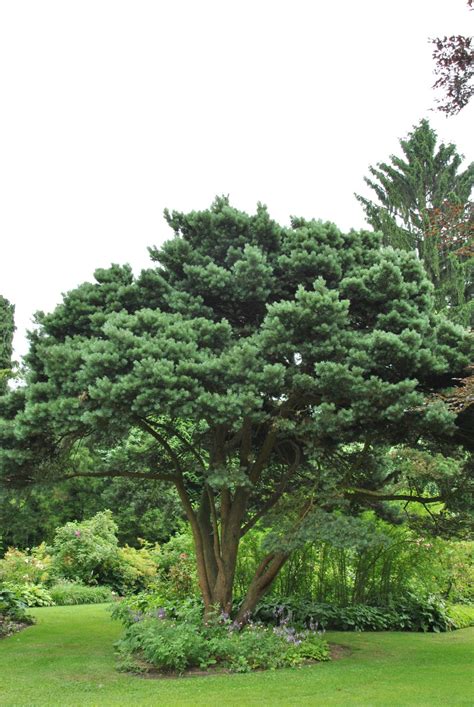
[260, 370]
[423, 204]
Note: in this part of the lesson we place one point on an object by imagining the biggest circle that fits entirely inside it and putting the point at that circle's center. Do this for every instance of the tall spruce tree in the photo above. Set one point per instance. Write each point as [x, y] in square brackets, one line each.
[423, 204]
[7, 329]
[261, 370]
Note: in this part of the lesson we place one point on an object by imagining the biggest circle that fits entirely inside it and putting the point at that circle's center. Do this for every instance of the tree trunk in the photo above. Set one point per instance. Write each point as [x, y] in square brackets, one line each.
[216, 542]
[216, 557]
[261, 583]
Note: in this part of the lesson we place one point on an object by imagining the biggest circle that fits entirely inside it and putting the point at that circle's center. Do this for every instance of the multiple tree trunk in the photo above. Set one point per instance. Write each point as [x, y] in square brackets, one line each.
[217, 544]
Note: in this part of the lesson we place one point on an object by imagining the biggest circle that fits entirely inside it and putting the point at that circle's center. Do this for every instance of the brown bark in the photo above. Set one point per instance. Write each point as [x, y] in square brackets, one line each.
[261, 583]
[218, 522]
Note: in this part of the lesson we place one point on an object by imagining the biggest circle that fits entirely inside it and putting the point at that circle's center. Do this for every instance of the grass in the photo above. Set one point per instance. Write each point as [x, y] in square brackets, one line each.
[68, 659]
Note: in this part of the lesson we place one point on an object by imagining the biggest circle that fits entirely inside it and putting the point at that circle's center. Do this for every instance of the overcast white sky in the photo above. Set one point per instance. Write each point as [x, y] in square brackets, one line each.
[111, 111]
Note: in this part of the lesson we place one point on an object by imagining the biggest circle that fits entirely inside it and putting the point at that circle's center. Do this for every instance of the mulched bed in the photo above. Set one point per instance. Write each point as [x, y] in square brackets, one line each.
[9, 626]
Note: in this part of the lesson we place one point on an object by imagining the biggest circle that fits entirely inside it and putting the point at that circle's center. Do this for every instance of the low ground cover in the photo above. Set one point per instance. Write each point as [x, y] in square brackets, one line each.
[68, 658]
[179, 641]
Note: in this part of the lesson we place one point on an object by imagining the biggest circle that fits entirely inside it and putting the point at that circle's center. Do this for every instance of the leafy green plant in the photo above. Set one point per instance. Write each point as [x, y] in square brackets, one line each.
[428, 614]
[462, 615]
[137, 567]
[177, 567]
[10, 604]
[66, 593]
[168, 645]
[12, 612]
[185, 642]
[136, 607]
[175, 637]
[30, 594]
[412, 614]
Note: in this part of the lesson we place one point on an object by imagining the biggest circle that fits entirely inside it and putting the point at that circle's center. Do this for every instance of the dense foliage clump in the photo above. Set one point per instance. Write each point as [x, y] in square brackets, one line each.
[179, 641]
[13, 615]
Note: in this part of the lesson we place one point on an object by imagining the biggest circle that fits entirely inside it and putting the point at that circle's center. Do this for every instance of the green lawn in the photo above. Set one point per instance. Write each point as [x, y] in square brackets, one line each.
[67, 659]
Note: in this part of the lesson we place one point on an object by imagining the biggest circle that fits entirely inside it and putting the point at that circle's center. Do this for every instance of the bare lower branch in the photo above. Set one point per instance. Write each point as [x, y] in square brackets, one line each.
[190, 447]
[147, 427]
[377, 496]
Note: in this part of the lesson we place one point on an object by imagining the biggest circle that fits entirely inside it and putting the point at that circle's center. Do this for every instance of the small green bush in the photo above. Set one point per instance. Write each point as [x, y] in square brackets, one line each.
[177, 574]
[11, 605]
[66, 593]
[168, 645]
[30, 594]
[136, 568]
[12, 612]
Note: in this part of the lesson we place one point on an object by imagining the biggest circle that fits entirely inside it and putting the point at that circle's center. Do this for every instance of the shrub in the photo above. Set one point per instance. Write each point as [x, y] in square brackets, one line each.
[182, 641]
[422, 615]
[136, 607]
[135, 569]
[12, 612]
[10, 604]
[87, 550]
[258, 647]
[30, 594]
[167, 644]
[177, 571]
[26, 566]
[462, 615]
[66, 593]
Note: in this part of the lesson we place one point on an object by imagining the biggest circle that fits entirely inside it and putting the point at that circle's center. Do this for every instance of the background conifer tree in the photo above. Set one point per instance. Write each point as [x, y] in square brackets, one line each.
[423, 204]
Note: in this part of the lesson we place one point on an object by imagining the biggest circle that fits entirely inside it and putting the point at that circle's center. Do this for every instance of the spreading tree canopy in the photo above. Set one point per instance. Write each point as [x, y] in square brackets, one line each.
[258, 369]
[423, 204]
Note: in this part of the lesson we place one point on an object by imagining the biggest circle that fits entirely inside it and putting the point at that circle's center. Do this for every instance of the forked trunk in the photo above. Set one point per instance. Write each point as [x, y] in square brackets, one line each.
[260, 584]
[216, 559]
[216, 535]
